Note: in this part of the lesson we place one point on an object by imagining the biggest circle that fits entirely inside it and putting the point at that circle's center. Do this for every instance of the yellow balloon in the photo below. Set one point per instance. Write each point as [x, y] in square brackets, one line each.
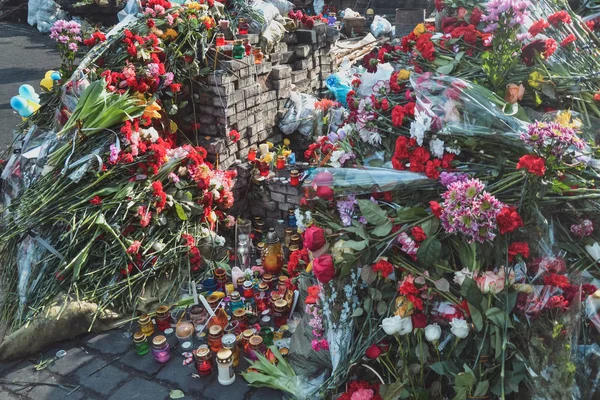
[49, 74]
[47, 83]
[33, 104]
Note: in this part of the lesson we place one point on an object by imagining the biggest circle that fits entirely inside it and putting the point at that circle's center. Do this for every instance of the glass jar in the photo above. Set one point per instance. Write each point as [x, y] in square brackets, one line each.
[146, 325]
[227, 50]
[231, 327]
[245, 344]
[294, 177]
[215, 334]
[239, 315]
[238, 50]
[268, 279]
[240, 283]
[224, 24]
[296, 240]
[235, 301]
[230, 343]
[203, 360]
[248, 289]
[267, 334]
[247, 47]
[282, 285]
[272, 257]
[287, 236]
[260, 297]
[252, 154]
[163, 318]
[184, 331]
[221, 277]
[280, 313]
[258, 55]
[266, 321]
[260, 248]
[243, 26]
[196, 312]
[161, 351]
[229, 288]
[210, 285]
[141, 343]
[201, 338]
[263, 169]
[213, 301]
[331, 19]
[255, 346]
[219, 39]
[225, 367]
[292, 223]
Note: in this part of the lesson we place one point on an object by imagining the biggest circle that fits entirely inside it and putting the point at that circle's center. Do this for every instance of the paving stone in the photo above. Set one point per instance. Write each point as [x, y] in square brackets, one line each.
[139, 388]
[113, 342]
[146, 363]
[5, 395]
[48, 392]
[24, 372]
[237, 390]
[103, 381]
[7, 365]
[74, 359]
[266, 393]
[179, 375]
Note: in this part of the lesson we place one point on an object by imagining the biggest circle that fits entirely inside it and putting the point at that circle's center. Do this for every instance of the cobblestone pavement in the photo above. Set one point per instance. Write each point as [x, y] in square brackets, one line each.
[105, 366]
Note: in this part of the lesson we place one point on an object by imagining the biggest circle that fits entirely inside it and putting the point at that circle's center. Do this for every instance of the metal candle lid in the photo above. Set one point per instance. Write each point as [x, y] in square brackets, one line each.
[139, 337]
[229, 340]
[215, 330]
[203, 351]
[224, 356]
[162, 311]
[144, 319]
[159, 341]
[184, 329]
[256, 340]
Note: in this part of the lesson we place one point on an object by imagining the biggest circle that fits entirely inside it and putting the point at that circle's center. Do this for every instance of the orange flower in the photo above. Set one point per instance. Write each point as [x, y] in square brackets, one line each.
[597, 97]
[152, 111]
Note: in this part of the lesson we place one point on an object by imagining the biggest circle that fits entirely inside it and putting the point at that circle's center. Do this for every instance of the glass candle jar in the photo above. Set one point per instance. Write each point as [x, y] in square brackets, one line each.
[210, 285]
[255, 347]
[229, 342]
[221, 277]
[294, 177]
[252, 154]
[263, 168]
[235, 302]
[248, 289]
[231, 327]
[229, 288]
[272, 257]
[266, 321]
[203, 360]
[240, 283]
[280, 313]
[219, 39]
[184, 331]
[243, 26]
[227, 50]
[163, 318]
[282, 285]
[296, 240]
[260, 297]
[258, 55]
[238, 50]
[146, 325]
[213, 301]
[247, 47]
[161, 351]
[331, 19]
[287, 236]
[141, 343]
[225, 367]
[197, 312]
[215, 334]
[239, 315]
[245, 344]
[268, 279]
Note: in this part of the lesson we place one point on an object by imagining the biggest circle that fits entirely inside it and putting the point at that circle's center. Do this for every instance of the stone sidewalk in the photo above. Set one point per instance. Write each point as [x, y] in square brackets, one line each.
[106, 366]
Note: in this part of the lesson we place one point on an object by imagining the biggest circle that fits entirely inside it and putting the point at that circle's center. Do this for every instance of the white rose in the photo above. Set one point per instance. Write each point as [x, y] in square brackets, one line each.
[406, 326]
[460, 329]
[460, 276]
[594, 251]
[433, 332]
[158, 246]
[391, 325]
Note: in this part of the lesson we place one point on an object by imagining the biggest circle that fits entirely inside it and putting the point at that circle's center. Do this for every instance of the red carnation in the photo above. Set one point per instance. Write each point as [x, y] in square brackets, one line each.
[568, 40]
[534, 164]
[96, 200]
[418, 158]
[559, 281]
[559, 17]
[383, 266]
[475, 16]
[518, 248]
[418, 233]
[234, 136]
[508, 220]
[436, 209]
[538, 27]
[397, 115]
[544, 47]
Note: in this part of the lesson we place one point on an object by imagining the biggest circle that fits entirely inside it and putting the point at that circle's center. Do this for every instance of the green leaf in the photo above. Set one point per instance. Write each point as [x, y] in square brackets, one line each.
[358, 312]
[431, 226]
[445, 368]
[411, 214]
[395, 391]
[429, 252]
[445, 69]
[176, 394]
[356, 245]
[381, 307]
[442, 285]
[180, 212]
[471, 292]
[383, 230]
[496, 315]
[183, 104]
[481, 389]
[476, 317]
[372, 212]
[368, 275]
[187, 196]
[465, 379]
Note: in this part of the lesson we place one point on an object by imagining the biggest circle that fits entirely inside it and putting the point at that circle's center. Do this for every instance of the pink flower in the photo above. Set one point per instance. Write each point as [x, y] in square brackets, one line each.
[490, 282]
[316, 346]
[134, 247]
[362, 394]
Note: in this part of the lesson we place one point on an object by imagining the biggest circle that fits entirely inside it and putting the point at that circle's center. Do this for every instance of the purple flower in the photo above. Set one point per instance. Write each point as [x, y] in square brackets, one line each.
[73, 46]
[552, 138]
[173, 178]
[346, 209]
[583, 229]
[114, 154]
[447, 178]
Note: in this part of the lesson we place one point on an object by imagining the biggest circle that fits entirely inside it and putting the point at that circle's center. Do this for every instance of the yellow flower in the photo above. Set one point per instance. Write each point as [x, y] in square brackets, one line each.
[270, 145]
[535, 79]
[564, 118]
[268, 157]
[172, 127]
[152, 111]
[286, 153]
[193, 5]
[170, 34]
[403, 74]
[419, 30]
[286, 141]
[404, 308]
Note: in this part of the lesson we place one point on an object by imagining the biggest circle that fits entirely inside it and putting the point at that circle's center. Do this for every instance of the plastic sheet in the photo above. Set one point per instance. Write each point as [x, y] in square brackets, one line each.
[356, 181]
[300, 114]
[380, 26]
[43, 14]
[372, 80]
[272, 35]
[283, 6]
[269, 13]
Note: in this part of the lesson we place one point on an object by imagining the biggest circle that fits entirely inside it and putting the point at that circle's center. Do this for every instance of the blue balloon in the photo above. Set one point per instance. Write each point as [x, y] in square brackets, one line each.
[28, 92]
[55, 76]
[20, 105]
